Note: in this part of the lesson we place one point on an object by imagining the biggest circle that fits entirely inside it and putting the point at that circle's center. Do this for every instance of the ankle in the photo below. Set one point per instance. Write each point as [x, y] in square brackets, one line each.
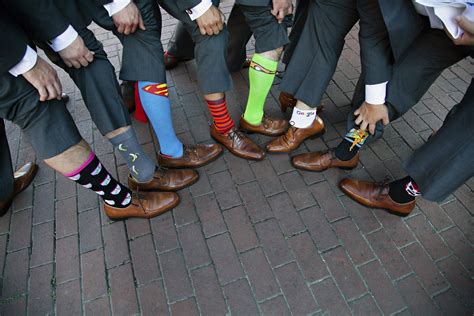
[404, 190]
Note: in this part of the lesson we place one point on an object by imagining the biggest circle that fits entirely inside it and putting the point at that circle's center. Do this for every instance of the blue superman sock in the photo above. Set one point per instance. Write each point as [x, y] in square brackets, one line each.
[154, 98]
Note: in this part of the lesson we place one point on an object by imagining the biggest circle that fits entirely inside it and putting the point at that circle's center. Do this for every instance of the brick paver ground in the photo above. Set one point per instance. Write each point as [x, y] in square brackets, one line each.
[249, 237]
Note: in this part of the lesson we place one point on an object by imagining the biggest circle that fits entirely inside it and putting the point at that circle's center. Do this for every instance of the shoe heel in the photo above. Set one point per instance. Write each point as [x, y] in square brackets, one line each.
[283, 107]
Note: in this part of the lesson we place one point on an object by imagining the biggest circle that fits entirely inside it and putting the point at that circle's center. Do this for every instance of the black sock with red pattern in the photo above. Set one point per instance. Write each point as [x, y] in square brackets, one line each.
[403, 190]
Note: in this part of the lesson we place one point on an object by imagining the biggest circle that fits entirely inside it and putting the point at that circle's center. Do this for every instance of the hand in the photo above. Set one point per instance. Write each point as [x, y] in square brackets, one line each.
[210, 22]
[45, 79]
[467, 38]
[128, 19]
[369, 114]
[77, 54]
[282, 8]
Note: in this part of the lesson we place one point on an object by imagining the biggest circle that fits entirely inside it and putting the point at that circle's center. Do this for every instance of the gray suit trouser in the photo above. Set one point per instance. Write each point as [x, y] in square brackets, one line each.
[181, 44]
[446, 160]
[6, 168]
[210, 51]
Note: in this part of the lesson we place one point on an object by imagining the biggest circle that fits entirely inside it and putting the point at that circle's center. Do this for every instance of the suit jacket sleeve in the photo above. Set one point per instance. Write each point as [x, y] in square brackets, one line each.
[13, 34]
[184, 5]
[41, 19]
[375, 51]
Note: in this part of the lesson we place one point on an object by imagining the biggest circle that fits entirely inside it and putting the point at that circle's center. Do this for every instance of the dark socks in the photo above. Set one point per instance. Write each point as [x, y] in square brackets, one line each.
[93, 175]
[351, 144]
[142, 167]
[403, 190]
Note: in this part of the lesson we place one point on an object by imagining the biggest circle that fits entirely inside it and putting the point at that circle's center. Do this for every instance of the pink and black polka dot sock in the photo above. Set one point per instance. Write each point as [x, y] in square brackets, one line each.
[93, 175]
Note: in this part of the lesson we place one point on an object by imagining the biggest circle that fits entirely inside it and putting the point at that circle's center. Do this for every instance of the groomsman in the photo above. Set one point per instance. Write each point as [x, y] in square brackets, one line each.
[30, 96]
[204, 21]
[316, 54]
[446, 160]
[414, 71]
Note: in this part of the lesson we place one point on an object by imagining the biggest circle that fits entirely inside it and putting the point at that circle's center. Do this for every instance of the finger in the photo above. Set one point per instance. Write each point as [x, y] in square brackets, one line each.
[43, 93]
[357, 112]
[385, 120]
[68, 63]
[465, 24]
[290, 9]
[220, 25]
[358, 120]
[127, 29]
[364, 125]
[52, 94]
[209, 30]
[215, 29]
[83, 62]
[89, 56]
[120, 28]
[141, 24]
[134, 27]
[372, 128]
[274, 12]
[281, 15]
[76, 64]
[58, 86]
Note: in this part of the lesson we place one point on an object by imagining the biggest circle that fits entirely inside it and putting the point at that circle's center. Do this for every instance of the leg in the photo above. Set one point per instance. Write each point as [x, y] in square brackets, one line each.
[446, 160]
[313, 64]
[181, 45]
[239, 35]
[299, 21]
[270, 37]
[6, 171]
[412, 76]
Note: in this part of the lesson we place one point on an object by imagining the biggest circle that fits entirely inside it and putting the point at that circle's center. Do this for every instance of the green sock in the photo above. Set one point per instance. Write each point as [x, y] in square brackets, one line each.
[261, 74]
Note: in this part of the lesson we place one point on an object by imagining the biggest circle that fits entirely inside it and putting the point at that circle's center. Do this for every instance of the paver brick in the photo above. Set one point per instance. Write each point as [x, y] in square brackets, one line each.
[240, 228]
[329, 298]
[68, 298]
[20, 231]
[42, 250]
[328, 201]
[115, 244]
[389, 255]
[209, 295]
[365, 306]
[186, 307]
[416, 297]
[353, 241]
[153, 299]
[67, 259]
[40, 301]
[194, 246]
[308, 258]
[225, 258]
[210, 215]
[122, 290]
[296, 291]
[344, 273]
[382, 288]
[286, 215]
[273, 242]
[239, 297]
[426, 270]
[176, 280]
[461, 247]
[428, 237]
[145, 262]
[66, 217]
[94, 283]
[99, 306]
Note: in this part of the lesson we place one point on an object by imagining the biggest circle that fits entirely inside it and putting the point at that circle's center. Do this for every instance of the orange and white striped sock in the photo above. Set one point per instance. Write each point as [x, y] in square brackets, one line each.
[219, 113]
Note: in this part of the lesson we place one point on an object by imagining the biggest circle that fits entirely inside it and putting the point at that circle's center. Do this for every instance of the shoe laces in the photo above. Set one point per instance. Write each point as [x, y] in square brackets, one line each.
[235, 134]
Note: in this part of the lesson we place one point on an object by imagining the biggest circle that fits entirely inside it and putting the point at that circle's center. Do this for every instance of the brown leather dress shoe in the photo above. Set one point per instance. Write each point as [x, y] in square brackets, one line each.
[193, 156]
[144, 205]
[128, 94]
[172, 61]
[295, 136]
[238, 144]
[269, 127]
[320, 161]
[22, 179]
[374, 195]
[166, 180]
[286, 101]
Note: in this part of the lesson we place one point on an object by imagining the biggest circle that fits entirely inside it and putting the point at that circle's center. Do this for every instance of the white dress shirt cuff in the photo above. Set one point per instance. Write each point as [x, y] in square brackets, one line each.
[63, 40]
[199, 10]
[28, 62]
[375, 93]
[115, 6]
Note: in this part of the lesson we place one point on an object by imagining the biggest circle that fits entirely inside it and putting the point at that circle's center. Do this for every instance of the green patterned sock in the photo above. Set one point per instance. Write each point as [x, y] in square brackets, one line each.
[261, 74]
